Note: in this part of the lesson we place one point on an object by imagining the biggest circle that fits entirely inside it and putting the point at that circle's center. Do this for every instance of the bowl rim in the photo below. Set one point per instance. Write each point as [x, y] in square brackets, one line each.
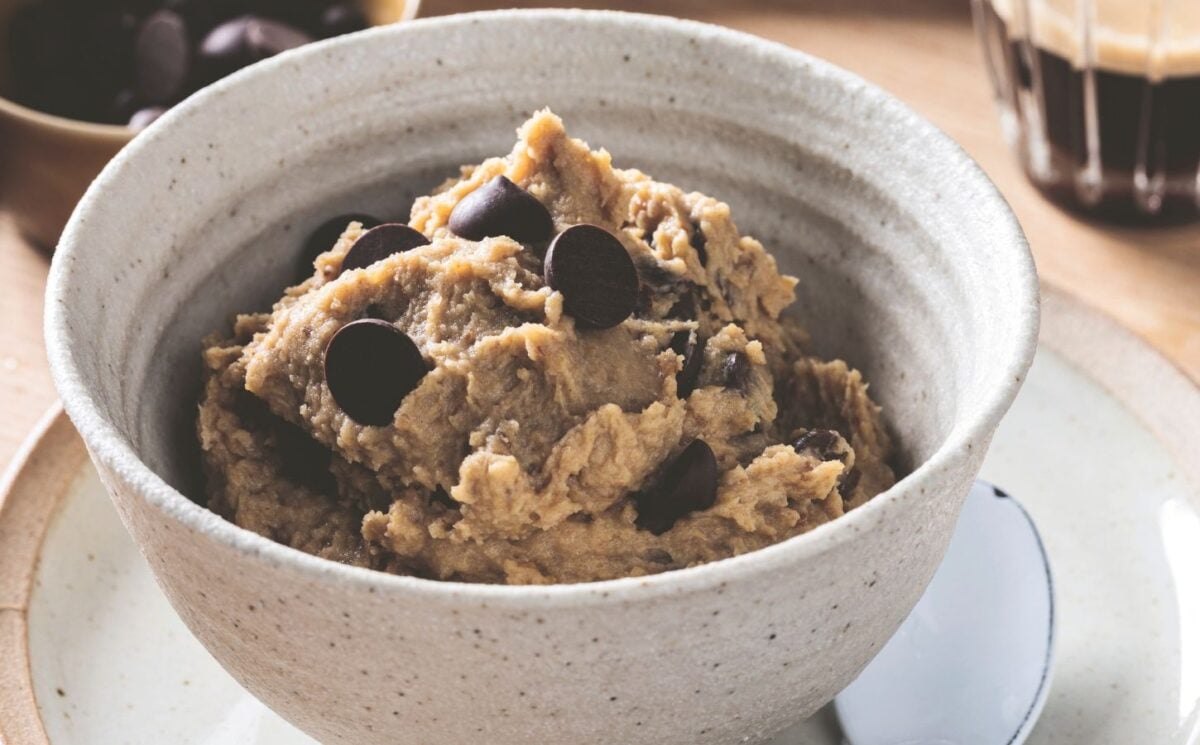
[78, 127]
[110, 448]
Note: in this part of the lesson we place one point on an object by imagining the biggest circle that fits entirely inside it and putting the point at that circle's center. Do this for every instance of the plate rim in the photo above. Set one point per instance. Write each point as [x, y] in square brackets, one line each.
[1155, 389]
[1141, 377]
[31, 490]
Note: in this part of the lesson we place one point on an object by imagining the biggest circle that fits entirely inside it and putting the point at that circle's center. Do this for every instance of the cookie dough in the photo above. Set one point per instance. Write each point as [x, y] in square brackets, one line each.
[531, 440]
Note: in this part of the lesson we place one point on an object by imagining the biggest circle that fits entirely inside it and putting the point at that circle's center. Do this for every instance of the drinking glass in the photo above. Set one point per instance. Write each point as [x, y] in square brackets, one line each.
[1101, 99]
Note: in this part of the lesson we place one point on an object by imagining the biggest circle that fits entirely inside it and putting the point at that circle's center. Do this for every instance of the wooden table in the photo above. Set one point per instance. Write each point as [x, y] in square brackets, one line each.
[924, 51]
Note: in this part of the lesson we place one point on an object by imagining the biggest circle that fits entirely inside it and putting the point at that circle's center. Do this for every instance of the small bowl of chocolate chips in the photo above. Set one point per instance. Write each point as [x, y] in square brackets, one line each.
[80, 78]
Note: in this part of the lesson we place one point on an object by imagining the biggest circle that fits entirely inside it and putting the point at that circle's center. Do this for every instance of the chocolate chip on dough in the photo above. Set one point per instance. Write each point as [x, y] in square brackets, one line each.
[500, 207]
[700, 243]
[688, 484]
[595, 275]
[380, 242]
[820, 441]
[370, 366]
[323, 238]
[689, 345]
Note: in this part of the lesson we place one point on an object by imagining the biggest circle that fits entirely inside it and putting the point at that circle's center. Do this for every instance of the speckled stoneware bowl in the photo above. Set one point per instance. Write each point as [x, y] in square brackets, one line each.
[911, 267]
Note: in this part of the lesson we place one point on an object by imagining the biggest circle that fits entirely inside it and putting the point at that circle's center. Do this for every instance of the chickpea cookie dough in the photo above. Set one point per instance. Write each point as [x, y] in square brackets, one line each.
[557, 371]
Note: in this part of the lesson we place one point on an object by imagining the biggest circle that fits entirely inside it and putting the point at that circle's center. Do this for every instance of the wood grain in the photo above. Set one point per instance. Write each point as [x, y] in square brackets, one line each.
[925, 52]
[25, 389]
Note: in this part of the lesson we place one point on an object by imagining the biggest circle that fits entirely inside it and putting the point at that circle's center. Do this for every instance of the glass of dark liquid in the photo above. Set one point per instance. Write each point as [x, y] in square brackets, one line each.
[1101, 100]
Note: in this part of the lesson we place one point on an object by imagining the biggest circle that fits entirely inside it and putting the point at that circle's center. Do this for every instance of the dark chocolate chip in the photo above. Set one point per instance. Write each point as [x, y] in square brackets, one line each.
[380, 242]
[252, 410]
[699, 242]
[500, 207]
[143, 118]
[370, 366]
[850, 483]
[658, 556]
[736, 370]
[342, 18]
[244, 41]
[162, 57]
[821, 441]
[595, 275]
[440, 496]
[688, 484]
[323, 238]
[690, 345]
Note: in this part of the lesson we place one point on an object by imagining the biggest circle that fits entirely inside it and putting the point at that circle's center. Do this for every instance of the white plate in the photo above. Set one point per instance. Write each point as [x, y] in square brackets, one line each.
[1101, 447]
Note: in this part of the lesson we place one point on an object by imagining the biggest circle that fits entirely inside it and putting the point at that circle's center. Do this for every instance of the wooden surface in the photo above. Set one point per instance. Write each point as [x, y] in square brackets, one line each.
[924, 51]
[25, 389]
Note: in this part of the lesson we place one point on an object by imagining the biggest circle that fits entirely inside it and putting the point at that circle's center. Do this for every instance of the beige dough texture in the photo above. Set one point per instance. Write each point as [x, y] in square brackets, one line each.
[518, 457]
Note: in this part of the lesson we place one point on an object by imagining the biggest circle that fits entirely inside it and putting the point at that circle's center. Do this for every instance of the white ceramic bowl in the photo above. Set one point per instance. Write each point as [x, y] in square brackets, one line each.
[911, 267]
